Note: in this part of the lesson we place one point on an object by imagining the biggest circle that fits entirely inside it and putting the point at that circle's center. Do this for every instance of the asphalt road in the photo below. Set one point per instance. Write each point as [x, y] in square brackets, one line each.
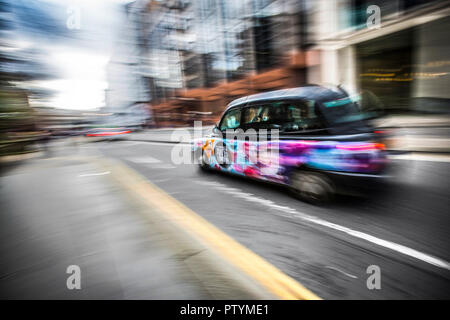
[327, 249]
[61, 211]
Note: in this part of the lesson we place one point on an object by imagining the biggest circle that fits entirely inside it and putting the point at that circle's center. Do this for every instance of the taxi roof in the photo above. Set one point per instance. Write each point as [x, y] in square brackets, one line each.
[310, 92]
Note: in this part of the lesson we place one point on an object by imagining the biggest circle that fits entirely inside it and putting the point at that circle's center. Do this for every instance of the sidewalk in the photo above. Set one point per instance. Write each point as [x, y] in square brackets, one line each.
[414, 121]
[169, 135]
[430, 134]
[62, 212]
[79, 208]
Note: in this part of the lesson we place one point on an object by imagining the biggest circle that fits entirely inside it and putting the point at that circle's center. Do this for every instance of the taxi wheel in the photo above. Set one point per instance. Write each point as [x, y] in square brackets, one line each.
[203, 162]
[312, 187]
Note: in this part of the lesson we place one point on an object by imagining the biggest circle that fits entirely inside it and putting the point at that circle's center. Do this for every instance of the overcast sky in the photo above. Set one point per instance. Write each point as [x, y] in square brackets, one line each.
[75, 38]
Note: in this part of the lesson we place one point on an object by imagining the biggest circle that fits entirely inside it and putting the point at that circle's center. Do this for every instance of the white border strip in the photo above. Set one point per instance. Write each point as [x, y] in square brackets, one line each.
[312, 219]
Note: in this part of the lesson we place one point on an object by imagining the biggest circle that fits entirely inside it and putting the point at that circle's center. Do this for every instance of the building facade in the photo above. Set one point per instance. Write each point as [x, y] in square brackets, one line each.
[205, 53]
[195, 56]
[405, 61]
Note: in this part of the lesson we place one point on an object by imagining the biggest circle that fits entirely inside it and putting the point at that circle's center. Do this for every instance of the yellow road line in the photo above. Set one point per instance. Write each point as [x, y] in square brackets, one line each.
[255, 267]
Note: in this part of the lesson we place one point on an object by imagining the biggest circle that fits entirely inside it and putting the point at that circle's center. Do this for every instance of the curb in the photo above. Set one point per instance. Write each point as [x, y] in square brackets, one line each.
[226, 269]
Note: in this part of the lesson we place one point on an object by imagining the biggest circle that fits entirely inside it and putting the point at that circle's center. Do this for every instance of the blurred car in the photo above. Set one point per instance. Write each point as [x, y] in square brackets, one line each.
[107, 133]
[322, 143]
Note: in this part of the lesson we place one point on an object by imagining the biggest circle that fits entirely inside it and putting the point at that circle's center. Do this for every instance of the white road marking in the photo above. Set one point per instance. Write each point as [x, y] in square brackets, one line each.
[312, 219]
[145, 160]
[94, 174]
[160, 180]
[343, 272]
[151, 162]
[130, 143]
[171, 144]
[163, 166]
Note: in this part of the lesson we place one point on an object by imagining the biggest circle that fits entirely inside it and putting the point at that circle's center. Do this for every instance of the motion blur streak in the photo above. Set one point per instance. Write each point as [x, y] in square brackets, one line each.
[337, 165]
[366, 146]
[265, 274]
[357, 234]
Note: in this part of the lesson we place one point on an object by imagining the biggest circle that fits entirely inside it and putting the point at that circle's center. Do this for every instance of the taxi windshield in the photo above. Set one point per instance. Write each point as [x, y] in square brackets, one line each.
[344, 110]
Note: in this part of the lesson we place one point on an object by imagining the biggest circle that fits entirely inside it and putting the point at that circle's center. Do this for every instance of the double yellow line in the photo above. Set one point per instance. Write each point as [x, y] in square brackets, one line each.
[253, 266]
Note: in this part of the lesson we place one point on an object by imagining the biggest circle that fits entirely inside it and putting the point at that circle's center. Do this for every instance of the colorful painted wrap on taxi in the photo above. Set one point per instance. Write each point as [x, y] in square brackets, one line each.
[274, 160]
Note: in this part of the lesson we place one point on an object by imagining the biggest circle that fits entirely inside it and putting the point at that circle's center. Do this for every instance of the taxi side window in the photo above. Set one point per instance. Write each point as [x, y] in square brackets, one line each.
[256, 117]
[251, 115]
[300, 116]
[231, 120]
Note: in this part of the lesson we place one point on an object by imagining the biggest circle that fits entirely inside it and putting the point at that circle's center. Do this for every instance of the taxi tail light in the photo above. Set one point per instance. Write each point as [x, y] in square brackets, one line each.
[362, 147]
